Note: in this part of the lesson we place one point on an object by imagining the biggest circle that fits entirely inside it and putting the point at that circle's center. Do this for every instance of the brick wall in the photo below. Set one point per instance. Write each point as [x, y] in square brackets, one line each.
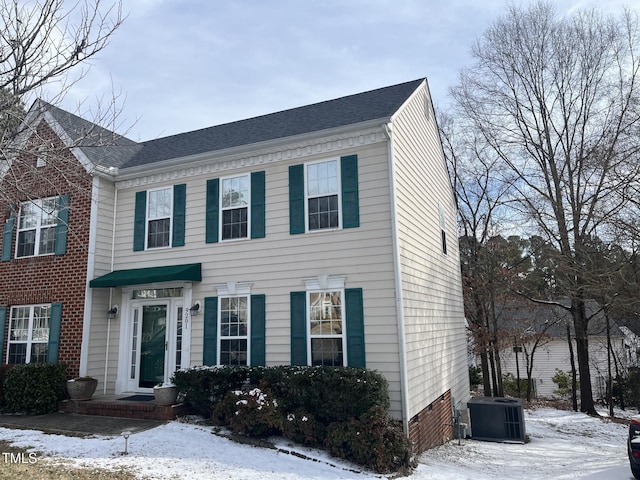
[433, 426]
[50, 278]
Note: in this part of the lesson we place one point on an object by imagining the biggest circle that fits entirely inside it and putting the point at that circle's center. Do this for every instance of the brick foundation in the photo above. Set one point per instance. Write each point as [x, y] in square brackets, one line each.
[123, 409]
[433, 425]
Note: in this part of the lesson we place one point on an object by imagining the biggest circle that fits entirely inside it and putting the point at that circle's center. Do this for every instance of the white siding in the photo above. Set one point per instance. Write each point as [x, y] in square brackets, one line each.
[97, 344]
[278, 264]
[555, 355]
[431, 281]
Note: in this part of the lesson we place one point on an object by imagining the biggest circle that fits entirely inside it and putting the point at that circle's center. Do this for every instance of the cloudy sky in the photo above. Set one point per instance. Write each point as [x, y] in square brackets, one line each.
[179, 65]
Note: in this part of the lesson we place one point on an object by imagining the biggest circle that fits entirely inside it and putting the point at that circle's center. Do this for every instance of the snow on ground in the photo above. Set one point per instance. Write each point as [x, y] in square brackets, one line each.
[563, 445]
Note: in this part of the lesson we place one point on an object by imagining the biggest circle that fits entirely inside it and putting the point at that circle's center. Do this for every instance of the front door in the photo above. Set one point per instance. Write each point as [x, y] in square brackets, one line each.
[155, 342]
[153, 345]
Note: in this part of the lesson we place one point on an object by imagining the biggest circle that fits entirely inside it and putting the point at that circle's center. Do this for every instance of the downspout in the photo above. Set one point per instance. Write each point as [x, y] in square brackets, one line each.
[113, 254]
[404, 385]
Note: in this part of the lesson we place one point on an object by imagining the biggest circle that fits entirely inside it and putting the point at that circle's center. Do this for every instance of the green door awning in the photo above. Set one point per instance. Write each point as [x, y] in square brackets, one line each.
[191, 272]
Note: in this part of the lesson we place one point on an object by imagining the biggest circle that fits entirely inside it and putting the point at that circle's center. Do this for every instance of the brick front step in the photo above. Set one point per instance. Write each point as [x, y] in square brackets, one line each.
[122, 408]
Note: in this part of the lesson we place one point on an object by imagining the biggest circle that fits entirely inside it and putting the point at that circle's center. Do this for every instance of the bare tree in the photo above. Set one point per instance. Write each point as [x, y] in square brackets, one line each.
[557, 99]
[44, 48]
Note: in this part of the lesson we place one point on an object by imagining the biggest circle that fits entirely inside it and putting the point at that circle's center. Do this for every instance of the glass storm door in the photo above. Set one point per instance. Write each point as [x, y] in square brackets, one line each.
[156, 346]
[153, 345]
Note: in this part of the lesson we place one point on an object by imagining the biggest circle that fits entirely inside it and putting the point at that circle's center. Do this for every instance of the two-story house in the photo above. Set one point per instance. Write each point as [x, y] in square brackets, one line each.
[320, 235]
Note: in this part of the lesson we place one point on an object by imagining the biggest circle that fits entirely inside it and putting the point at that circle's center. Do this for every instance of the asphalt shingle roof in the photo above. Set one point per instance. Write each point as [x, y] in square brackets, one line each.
[108, 149]
[101, 146]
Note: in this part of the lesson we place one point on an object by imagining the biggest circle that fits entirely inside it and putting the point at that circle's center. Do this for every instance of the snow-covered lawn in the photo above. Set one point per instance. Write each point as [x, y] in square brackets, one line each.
[563, 445]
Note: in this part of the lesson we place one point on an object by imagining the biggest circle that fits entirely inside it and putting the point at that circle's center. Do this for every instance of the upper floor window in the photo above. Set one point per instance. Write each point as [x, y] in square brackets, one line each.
[235, 201]
[235, 207]
[37, 227]
[160, 203]
[29, 334]
[323, 195]
[443, 231]
[159, 219]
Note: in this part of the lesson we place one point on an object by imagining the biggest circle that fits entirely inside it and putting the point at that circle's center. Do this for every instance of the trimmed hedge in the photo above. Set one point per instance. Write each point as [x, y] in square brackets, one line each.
[35, 388]
[342, 409]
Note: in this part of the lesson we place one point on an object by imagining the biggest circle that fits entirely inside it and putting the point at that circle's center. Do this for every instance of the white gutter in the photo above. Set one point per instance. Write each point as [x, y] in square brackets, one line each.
[404, 384]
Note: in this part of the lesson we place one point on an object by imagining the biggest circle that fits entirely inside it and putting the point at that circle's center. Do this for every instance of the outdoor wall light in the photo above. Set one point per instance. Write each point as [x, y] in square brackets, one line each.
[113, 311]
[194, 309]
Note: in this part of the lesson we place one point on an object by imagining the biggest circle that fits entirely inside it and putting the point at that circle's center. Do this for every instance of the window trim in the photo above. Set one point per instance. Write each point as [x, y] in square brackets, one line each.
[29, 342]
[39, 204]
[246, 336]
[443, 229]
[307, 197]
[223, 209]
[342, 336]
[148, 218]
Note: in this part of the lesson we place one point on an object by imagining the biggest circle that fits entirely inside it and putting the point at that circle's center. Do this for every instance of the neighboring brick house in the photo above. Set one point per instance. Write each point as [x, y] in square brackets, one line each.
[320, 235]
[45, 241]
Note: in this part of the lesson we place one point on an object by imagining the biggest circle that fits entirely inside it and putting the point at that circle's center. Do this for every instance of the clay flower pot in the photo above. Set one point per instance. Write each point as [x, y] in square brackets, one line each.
[165, 394]
[81, 388]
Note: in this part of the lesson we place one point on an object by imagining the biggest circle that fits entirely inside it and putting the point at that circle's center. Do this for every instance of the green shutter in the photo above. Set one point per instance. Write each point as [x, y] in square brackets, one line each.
[179, 214]
[355, 327]
[296, 199]
[62, 227]
[210, 355]
[140, 220]
[212, 210]
[350, 198]
[258, 324]
[54, 332]
[298, 328]
[7, 238]
[257, 205]
[3, 323]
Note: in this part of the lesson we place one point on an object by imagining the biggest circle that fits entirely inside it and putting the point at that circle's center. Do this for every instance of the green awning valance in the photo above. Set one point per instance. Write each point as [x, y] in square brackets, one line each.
[191, 272]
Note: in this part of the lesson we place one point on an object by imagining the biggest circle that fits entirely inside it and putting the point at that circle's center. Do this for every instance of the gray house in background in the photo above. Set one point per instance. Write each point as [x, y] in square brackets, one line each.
[321, 235]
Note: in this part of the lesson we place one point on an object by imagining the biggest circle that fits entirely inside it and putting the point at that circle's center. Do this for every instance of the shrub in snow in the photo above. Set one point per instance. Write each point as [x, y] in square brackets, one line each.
[374, 440]
[302, 427]
[35, 387]
[252, 412]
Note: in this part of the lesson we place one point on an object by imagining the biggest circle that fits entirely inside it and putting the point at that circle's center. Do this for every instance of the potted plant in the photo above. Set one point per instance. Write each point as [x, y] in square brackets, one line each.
[81, 388]
[165, 393]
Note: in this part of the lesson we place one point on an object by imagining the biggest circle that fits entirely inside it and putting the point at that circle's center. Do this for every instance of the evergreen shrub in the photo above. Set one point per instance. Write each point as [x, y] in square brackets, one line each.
[35, 388]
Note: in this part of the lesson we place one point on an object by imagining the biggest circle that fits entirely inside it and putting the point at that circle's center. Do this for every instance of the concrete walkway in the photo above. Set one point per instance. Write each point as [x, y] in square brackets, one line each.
[71, 424]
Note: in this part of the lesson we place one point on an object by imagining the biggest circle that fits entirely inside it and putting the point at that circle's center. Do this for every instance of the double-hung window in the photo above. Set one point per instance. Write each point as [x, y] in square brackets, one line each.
[323, 195]
[327, 324]
[235, 200]
[326, 328]
[29, 334]
[159, 218]
[37, 227]
[234, 328]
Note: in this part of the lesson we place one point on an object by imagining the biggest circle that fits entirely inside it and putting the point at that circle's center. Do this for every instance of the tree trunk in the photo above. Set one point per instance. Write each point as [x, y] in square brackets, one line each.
[574, 389]
[580, 324]
[486, 382]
